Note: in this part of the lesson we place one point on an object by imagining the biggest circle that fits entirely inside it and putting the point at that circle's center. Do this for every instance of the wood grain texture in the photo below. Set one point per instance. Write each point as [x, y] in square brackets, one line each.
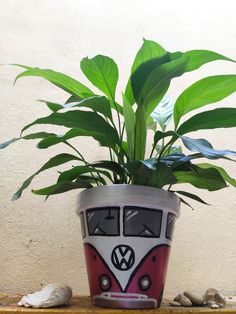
[82, 305]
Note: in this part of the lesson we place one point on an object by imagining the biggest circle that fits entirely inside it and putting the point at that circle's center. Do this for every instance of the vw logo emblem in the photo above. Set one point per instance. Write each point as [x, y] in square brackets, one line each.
[123, 257]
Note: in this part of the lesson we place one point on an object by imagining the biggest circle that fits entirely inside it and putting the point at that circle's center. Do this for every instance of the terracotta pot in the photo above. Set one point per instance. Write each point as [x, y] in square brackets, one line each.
[127, 232]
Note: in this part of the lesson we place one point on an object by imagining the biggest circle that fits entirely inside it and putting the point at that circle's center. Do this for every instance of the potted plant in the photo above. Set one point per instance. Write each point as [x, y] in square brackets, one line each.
[129, 205]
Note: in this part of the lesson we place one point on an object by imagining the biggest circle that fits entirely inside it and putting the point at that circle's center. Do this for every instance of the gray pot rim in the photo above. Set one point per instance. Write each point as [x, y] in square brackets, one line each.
[128, 194]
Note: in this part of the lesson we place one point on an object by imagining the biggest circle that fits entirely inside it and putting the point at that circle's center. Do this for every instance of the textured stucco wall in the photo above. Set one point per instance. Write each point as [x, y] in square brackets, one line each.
[40, 241]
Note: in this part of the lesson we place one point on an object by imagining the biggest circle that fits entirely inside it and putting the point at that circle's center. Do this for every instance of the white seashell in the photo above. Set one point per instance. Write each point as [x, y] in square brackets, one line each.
[51, 295]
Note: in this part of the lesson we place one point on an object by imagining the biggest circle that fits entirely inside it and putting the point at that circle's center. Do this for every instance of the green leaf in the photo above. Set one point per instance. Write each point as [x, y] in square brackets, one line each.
[209, 179]
[140, 134]
[212, 119]
[205, 148]
[150, 50]
[53, 162]
[102, 72]
[205, 91]
[96, 103]
[91, 122]
[61, 80]
[199, 57]
[73, 99]
[54, 107]
[157, 82]
[192, 196]
[223, 173]
[113, 166]
[62, 187]
[149, 173]
[140, 76]
[130, 120]
[163, 112]
[26, 137]
[160, 135]
[75, 172]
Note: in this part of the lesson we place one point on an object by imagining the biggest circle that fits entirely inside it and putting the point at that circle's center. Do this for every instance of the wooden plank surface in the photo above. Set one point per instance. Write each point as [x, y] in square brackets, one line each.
[82, 305]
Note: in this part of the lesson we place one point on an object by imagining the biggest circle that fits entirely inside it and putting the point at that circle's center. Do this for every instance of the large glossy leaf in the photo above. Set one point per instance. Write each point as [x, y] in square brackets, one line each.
[56, 138]
[77, 171]
[209, 179]
[150, 50]
[198, 57]
[97, 103]
[90, 122]
[102, 72]
[140, 134]
[26, 137]
[140, 76]
[223, 173]
[212, 119]
[130, 120]
[61, 80]
[205, 148]
[206, 91]
[62, 187]
[157, 82]
[53, 162]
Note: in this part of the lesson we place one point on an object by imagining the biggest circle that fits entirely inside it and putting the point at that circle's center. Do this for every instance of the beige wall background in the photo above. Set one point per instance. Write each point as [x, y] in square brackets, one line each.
[40, 241]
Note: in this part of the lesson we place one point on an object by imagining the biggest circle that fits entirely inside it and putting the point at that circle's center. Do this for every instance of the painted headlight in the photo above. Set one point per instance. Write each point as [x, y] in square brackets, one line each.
[105, 282]
[145, 283]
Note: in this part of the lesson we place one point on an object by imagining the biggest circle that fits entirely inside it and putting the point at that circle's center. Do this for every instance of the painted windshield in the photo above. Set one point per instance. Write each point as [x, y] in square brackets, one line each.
[103, 221]
[170, 224]
[142, 222]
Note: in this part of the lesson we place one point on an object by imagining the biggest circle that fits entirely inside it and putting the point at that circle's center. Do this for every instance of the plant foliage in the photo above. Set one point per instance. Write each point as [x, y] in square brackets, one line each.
[122, 128]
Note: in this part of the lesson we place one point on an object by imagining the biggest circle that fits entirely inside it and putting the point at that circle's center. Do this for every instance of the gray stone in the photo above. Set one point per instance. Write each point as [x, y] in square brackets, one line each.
[220, 299]
[195, 298]
[175, 303]
[210, 294]
[183, 300]
[213, 295]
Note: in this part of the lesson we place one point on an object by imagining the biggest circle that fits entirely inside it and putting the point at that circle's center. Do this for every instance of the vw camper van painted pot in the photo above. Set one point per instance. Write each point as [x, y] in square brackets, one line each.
[127, 232]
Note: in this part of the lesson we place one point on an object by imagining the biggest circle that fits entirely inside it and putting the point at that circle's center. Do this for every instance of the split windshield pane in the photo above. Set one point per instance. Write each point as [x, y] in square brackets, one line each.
[142, 222]
[103, 221]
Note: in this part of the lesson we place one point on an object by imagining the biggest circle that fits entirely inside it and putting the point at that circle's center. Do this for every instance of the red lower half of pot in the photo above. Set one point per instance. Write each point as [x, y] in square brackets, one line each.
[144, 285]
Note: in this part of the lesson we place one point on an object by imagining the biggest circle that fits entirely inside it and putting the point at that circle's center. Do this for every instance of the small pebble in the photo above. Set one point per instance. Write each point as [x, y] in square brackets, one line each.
[183, 300]
[214, 306]
[195, 298]
[210, 303]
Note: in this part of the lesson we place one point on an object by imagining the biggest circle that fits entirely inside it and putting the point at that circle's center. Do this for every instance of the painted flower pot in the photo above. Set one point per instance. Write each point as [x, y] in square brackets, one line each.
[127, 232]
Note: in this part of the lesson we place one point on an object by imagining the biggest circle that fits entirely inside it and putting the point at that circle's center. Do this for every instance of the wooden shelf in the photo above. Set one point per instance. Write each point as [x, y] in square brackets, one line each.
[82, 305]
